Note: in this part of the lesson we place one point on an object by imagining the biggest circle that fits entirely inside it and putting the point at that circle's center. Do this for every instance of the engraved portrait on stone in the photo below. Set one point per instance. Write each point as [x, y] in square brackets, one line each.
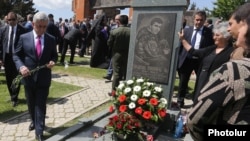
[153, 46]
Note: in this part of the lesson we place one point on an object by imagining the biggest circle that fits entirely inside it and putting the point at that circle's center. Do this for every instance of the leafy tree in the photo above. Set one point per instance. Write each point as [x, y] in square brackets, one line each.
[224, 8]
[21, 7]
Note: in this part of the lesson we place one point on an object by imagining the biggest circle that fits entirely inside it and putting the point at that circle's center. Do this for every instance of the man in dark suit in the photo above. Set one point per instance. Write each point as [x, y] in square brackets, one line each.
[52, 29]
[63, 31]
[71, 39]
[9, 36]
[198, 36]
[36, 48]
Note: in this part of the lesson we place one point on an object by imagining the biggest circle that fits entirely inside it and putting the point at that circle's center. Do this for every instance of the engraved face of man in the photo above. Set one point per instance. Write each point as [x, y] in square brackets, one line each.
[155, 27]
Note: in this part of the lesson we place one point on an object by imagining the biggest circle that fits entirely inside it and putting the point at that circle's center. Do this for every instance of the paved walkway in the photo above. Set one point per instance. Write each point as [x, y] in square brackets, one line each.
[94, 93]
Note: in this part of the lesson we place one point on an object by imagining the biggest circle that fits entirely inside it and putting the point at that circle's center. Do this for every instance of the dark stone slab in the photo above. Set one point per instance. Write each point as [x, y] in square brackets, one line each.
[83, 124]
[97, 123]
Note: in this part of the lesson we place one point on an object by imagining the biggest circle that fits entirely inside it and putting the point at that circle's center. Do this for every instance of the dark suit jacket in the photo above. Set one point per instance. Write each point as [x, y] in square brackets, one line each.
[74, 35]
[206, 40]
[53, 30]
[66, 30]
[26, 56]
[4, 37]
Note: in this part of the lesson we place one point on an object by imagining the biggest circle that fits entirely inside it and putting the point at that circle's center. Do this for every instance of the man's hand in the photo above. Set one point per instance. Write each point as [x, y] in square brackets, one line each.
[24, 71]
[181, 35]
[50, 64]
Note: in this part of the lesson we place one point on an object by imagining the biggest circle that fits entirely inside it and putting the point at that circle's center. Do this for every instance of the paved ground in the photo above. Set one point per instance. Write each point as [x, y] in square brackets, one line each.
[62, 111]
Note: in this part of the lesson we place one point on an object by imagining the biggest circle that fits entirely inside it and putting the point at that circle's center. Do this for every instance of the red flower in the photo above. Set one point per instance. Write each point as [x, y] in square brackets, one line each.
[162, 112]
[153, 101]
[116, 118]
[124, 123]
[138, 110]
[147, 115]
[119, 126]
[122, 98]
[111, 109]
[137, 124]
[123, 108]
[142, 101]
[111, 124]
[129, 127]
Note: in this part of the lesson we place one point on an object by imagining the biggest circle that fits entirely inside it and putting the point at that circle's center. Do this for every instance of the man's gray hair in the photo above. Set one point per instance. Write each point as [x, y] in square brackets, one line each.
[222, 29]
[40, 16]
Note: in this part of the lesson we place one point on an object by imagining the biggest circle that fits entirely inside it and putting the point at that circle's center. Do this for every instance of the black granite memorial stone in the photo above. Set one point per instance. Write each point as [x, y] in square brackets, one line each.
[153, 46]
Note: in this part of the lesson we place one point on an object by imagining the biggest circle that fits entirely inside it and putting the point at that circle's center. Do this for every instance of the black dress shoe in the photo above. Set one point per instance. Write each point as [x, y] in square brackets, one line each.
[107, 77]
[32, 126]
[180, 104]
[14, 103]
[80, 55]
[39, 138]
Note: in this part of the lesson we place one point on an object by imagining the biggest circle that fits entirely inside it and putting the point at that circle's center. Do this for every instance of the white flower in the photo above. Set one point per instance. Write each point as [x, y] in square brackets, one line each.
[129, 82]
[150, 83]
[140, 80]
[134, 97]
[146, 93]
[121, 86]
[164, 101]
[127, 90]
[137, 88]
[158, 89]
[131, 105]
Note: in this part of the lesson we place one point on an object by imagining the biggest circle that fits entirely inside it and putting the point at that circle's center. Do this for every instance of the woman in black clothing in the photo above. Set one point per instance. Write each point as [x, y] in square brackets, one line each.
[212, 57]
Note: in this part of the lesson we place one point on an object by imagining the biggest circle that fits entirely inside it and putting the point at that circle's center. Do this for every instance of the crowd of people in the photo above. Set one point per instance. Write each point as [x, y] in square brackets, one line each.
[217, 53]
[40, 42]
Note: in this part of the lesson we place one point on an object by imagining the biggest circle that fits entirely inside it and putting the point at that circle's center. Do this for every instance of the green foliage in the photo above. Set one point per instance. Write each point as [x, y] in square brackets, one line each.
[224, 8]
[18, 7]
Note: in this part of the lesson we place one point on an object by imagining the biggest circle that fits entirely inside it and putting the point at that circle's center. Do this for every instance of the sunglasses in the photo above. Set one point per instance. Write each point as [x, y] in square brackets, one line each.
[11, 19]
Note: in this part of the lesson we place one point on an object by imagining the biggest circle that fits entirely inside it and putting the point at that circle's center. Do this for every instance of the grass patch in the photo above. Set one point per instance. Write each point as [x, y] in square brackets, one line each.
[81, 69]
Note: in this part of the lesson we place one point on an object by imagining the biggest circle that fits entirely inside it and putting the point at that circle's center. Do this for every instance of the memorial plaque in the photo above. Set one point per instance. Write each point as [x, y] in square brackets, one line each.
[153, 46]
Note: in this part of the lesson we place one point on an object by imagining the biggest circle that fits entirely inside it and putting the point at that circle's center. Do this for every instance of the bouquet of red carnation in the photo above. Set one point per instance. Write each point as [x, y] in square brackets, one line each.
[124, 124]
